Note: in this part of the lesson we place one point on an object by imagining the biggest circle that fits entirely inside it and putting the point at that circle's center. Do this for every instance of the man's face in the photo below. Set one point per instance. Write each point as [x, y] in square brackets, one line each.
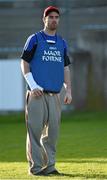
[51, 21]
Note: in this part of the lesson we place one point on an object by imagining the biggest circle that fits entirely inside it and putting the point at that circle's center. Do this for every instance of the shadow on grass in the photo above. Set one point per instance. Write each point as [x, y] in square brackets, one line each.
[100, 161]
[78, 175]
[79, 161]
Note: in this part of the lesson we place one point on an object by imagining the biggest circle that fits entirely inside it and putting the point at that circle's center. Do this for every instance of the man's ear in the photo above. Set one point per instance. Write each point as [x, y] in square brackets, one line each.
[43, 19]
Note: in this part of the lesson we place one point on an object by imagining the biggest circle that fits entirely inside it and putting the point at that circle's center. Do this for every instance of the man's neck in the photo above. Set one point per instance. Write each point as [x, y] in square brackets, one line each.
[49, 32]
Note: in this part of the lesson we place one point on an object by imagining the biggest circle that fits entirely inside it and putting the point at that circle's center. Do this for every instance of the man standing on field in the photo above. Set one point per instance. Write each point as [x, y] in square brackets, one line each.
[45, 68]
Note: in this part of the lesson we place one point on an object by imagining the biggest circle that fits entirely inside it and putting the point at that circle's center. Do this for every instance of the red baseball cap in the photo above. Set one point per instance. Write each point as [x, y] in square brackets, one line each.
[49, 10]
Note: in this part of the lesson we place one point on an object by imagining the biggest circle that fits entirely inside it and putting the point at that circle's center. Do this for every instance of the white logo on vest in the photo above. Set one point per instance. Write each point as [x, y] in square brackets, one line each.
[52, 56]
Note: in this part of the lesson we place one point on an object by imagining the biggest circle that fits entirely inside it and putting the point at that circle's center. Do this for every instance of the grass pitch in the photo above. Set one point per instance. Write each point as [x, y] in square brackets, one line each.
[81, 149]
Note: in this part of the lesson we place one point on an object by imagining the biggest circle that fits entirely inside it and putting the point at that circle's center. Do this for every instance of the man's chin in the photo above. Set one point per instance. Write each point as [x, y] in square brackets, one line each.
[53, 28]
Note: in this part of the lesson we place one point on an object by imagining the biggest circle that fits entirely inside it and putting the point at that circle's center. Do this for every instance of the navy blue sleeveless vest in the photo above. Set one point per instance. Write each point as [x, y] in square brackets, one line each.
[47, 65]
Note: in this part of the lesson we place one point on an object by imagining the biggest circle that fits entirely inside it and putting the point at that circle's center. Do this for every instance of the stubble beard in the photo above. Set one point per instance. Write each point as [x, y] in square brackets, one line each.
[53, 27]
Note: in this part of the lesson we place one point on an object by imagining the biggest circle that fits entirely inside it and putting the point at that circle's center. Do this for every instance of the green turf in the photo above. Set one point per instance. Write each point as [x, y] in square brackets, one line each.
[81, 149]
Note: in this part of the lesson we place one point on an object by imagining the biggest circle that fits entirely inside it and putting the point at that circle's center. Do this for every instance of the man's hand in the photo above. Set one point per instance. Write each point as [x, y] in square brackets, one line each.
[37, 92]
[68, 97]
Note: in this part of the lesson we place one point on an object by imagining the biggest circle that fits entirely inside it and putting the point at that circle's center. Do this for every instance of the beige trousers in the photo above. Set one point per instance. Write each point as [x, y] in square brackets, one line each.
[42, 120]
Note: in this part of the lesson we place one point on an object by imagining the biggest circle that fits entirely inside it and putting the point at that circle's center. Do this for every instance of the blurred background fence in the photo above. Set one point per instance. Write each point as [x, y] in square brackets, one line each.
[83, 24]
